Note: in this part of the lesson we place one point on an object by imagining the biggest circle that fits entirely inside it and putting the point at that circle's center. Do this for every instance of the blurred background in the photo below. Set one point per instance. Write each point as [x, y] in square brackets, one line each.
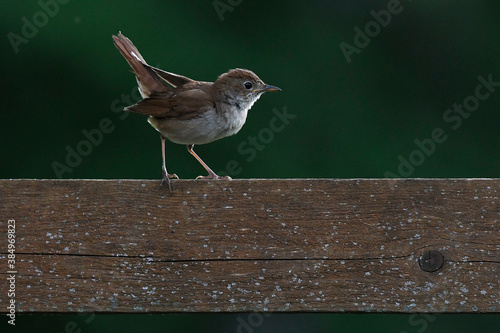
[367, 85]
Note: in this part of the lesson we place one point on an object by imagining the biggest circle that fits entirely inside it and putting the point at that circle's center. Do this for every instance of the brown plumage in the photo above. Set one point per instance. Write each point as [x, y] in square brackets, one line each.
[191, 112]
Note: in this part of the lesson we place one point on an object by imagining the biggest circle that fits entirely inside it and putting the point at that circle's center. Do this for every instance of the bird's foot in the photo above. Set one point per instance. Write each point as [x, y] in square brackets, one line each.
[213, 176]
[166, 177]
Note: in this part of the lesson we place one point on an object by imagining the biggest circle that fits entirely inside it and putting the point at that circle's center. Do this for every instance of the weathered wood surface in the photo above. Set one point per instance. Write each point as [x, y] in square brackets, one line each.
[253, 245]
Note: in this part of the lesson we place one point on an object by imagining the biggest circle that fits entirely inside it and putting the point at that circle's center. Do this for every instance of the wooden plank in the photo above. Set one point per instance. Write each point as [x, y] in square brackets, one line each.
[129, 246]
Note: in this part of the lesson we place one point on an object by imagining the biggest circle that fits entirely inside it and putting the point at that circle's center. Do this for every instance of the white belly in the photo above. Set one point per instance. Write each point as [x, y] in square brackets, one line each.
[205, 129]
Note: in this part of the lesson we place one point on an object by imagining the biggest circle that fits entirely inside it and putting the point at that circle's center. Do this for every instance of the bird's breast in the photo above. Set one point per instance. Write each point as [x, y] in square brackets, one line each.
[209, 127]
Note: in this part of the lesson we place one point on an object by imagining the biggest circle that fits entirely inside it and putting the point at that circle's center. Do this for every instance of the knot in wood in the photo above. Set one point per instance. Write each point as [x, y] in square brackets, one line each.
[431, 260]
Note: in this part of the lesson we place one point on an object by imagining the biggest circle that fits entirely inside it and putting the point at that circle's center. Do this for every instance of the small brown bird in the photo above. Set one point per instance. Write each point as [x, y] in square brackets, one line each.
[191, 112]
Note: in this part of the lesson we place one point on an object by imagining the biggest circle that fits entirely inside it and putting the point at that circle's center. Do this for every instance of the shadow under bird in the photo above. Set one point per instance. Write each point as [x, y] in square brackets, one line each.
[191, 112]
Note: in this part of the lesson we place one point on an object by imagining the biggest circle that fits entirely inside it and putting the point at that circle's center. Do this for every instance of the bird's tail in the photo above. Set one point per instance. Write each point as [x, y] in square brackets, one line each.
[149, 82]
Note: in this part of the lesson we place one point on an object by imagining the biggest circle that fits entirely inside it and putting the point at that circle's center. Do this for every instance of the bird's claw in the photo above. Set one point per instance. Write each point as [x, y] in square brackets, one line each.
[166, 177]
[214, 176]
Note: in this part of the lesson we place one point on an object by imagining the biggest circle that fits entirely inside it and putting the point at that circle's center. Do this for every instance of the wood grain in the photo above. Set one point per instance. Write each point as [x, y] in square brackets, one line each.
[295, 245]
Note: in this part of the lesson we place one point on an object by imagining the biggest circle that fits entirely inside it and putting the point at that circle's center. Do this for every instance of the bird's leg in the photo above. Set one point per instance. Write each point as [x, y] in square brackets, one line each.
[165, 175]
[211, 174]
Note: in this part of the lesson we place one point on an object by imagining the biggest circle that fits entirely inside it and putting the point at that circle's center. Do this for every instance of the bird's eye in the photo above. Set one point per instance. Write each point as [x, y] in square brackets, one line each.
[248, 85]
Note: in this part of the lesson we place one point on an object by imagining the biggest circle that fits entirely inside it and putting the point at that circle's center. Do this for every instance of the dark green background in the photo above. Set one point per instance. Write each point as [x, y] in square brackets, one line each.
[352, 119]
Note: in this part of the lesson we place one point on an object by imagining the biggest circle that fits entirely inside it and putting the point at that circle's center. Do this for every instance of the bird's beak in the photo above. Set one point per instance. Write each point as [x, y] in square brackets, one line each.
[270, 88]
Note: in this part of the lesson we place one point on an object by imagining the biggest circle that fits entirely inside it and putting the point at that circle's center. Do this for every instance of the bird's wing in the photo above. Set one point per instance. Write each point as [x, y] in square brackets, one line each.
[181, 104]
[174, 80]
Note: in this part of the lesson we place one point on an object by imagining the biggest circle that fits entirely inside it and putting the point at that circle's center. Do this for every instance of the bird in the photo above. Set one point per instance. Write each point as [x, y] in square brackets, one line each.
[190, 112]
